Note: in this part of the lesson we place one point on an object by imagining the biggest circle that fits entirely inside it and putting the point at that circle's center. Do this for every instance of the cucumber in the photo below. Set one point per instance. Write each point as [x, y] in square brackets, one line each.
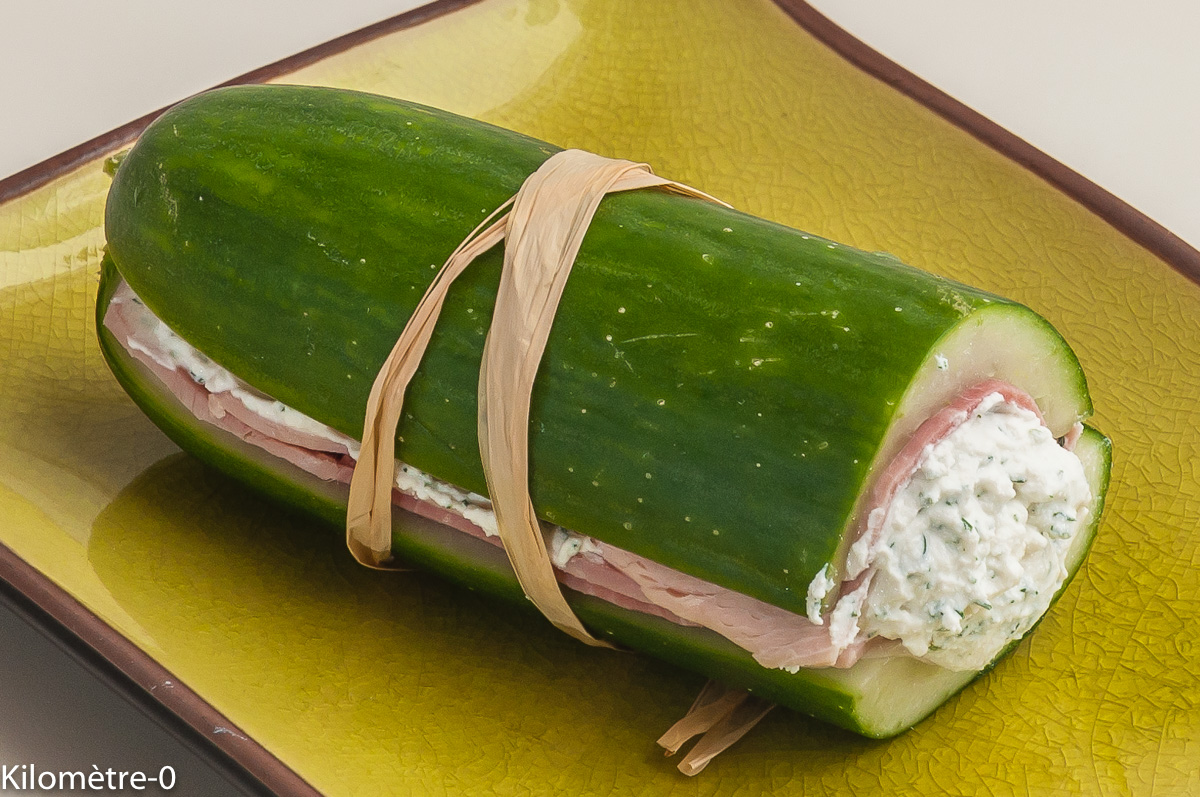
[877, 698]
[715, 394]
[716, 390]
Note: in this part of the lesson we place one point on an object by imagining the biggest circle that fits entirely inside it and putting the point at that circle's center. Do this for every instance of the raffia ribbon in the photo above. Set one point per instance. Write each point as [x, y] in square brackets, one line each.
[544, 227]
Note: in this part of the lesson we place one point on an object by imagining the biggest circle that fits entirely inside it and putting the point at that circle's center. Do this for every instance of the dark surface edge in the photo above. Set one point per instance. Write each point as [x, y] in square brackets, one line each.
[45, 605]
[41, 173]
[1134, 224]
[25, 610]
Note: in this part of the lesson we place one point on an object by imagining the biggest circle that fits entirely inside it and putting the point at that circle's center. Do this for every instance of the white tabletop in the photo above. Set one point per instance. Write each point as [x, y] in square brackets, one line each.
[1109, 88]
[1111, 91]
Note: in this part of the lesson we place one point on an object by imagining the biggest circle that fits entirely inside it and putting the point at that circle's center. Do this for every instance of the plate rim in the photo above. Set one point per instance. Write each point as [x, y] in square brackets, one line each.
[75, 619]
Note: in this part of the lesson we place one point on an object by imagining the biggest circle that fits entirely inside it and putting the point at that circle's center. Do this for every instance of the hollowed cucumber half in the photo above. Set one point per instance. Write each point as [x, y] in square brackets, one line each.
[717, 392]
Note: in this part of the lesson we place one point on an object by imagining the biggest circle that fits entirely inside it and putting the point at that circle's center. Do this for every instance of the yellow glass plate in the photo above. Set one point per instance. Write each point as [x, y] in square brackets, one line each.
[370, 683]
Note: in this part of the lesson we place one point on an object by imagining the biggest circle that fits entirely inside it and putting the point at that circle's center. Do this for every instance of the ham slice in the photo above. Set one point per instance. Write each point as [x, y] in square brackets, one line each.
[775, 637]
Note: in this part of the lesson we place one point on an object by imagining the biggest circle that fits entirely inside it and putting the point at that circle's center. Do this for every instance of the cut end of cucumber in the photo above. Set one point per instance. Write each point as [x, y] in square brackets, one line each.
[893, 694]
[1006, 342]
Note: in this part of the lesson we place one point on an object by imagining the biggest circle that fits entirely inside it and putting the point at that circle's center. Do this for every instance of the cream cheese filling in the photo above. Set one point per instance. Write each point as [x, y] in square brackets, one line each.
[973, 546]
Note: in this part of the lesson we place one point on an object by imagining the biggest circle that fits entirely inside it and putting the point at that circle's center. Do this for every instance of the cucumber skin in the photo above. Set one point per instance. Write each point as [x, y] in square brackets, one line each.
[288, 233]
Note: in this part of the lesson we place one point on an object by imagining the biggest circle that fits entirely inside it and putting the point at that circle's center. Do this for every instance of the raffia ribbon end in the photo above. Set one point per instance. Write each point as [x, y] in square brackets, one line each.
[720, 716]
[363, 540]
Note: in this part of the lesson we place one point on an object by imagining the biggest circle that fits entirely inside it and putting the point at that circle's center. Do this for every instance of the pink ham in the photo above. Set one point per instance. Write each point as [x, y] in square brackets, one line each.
[224, 403]
[775, 637]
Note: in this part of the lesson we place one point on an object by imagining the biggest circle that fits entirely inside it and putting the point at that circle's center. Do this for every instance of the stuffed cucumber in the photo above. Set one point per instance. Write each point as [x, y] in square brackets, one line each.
[727, 409]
